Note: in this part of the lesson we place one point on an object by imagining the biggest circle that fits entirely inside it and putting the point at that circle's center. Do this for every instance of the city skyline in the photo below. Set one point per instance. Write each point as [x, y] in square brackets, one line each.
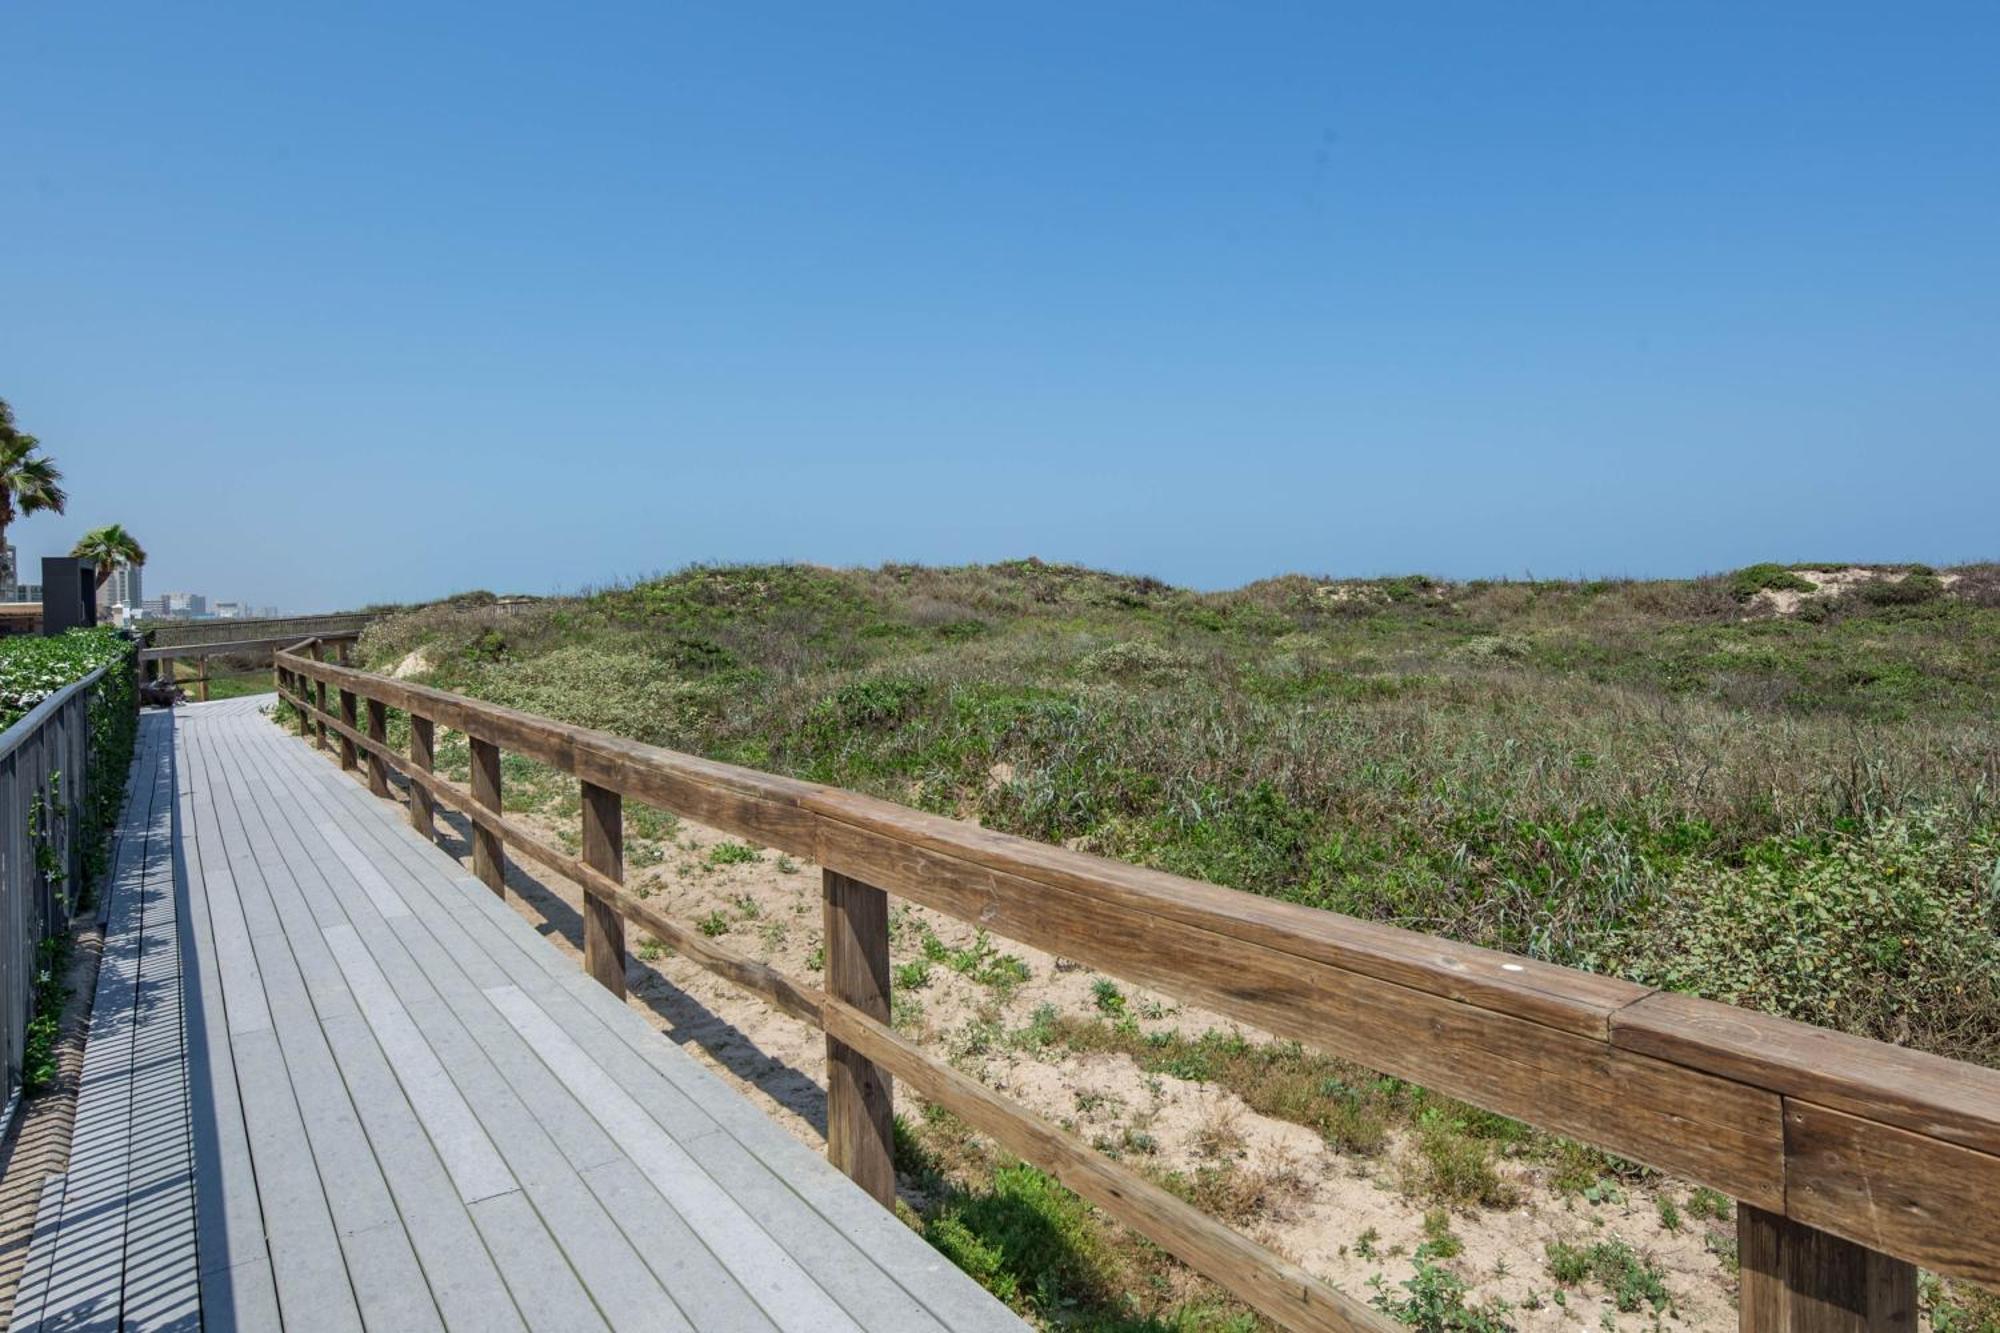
[118, 590]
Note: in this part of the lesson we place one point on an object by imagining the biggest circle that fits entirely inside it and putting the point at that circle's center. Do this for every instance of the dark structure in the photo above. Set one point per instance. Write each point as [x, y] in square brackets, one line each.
[69, 593]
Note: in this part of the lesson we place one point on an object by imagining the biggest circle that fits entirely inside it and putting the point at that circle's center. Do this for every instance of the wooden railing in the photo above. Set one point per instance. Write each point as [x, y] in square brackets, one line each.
[171, 633]
[1851, 1160]
[161, 662]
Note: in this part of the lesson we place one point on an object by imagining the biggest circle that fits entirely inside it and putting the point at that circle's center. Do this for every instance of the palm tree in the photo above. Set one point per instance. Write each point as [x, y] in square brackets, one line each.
[110, 546]
[28, 480]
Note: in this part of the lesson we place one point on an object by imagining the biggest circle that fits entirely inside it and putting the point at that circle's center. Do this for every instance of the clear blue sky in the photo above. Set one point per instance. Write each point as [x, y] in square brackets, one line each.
[348, 302]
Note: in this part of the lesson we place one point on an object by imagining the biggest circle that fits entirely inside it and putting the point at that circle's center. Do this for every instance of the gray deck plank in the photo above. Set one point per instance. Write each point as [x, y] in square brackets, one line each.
[303, 1234]
[835, 1263]
[355, 1089]
[237, 1287]
[612, 1271]
[691, 1273]
[584, 1221]
[464, 1281]
[840, 1234]
[544, 1285]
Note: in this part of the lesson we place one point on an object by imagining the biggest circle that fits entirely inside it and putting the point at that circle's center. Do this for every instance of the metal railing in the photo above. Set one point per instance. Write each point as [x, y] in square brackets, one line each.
[44, 768]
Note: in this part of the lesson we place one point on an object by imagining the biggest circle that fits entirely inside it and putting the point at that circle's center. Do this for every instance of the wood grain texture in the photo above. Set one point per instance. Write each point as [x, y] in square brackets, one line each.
[423, 756]
[1796, 1279]
[859, 1095]
[1553, 996]
[604, 852]
[1271, 1284]
[1761, 1299]
[1722, 1133]
[1943, 1099]
[349, 715]
[232, 646]
[1894, 1191]
[319, 689]
[488, 862]
[378, 731]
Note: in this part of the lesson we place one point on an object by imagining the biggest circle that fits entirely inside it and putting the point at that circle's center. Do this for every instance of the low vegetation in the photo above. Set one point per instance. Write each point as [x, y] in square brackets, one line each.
[1778, 795]
[33, 669]
[1632, 777]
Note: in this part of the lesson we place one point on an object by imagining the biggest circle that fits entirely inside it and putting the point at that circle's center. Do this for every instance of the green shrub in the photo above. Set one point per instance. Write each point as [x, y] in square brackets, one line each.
[1889, 933]
[1747, 582]
[1436, 1302]
[866, 705]
[1631, 1278]
[1455, 1167]
[1026, 1239]
[1910, 590]
[33, 668]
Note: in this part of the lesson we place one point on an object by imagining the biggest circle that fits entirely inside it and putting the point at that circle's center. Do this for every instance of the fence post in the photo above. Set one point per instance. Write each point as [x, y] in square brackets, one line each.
[76, 785]
[488, 862]
[423, 754]
[378, 731]
[859, 1094]
[202, 676]
[319, 692]
[350, 716]
[604, 850]
[1799, 1279]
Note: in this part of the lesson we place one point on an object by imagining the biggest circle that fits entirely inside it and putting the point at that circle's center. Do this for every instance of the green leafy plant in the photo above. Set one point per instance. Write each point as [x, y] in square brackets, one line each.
[1435, 1301]
[1631, 1279]
[1747, 582]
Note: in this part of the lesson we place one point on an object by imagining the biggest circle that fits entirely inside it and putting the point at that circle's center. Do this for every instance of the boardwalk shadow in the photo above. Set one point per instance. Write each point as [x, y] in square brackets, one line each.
[686, 1021]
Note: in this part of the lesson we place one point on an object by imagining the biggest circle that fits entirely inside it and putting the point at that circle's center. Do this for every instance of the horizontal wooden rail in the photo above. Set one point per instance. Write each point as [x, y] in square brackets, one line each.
[1894, 1150]
[162, 660]
[177, 651]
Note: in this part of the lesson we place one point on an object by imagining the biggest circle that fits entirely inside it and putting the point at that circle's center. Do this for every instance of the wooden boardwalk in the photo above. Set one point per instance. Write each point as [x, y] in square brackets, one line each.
[333, 1082]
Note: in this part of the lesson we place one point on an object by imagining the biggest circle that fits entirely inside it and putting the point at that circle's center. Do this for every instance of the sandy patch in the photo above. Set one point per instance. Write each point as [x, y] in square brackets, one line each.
[1828, 584]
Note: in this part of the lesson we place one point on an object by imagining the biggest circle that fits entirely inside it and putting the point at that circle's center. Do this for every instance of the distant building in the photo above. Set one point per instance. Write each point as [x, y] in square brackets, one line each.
[185, 604]
[23, 592]
[122, 589]
[7, 568]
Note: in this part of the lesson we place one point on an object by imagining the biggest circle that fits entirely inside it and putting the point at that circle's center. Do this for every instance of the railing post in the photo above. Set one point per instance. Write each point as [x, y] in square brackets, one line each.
[1799, 1279]
[378, 731]
[319, 692]
[301, 698]
[488, 862]
[604, 851]
[350, 716]
[423, 754]
[859, 1095]
[202, 677]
